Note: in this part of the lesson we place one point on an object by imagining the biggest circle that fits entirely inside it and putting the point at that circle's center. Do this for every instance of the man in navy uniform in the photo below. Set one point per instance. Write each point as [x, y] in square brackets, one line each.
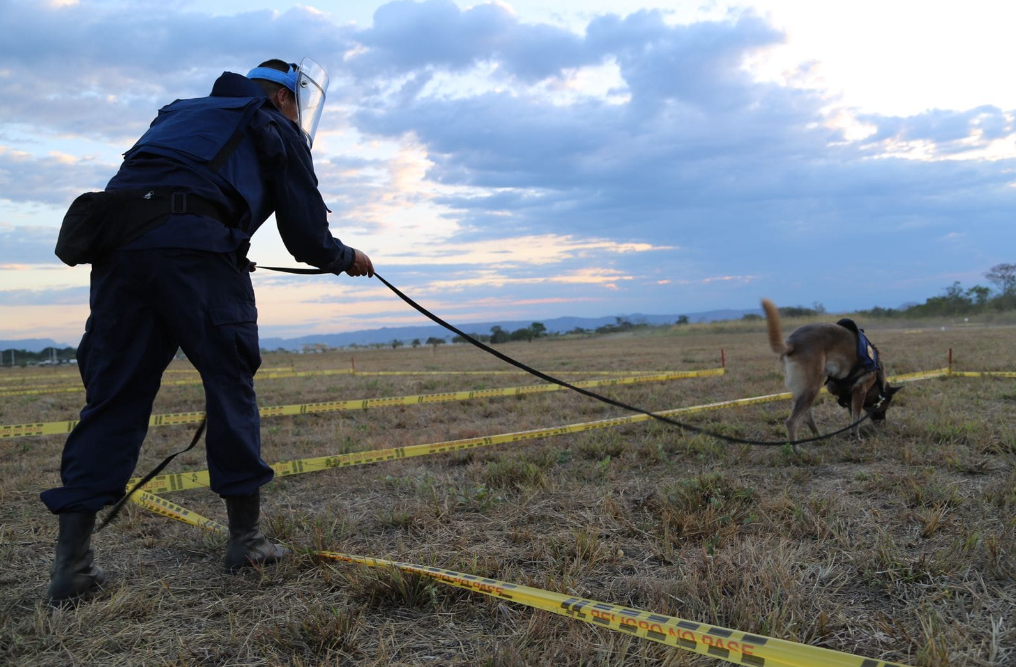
[213, 169]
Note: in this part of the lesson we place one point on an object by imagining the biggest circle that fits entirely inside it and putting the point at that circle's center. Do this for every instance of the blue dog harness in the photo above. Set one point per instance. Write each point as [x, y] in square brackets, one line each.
[867, 362]
[867, 355]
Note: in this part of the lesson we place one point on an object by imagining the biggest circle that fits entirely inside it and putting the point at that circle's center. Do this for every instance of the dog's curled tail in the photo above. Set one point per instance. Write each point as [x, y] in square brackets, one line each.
[775, 327]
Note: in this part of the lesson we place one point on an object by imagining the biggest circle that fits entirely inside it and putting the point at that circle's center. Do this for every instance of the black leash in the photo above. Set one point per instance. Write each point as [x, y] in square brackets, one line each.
[147, 478]
[503, 357]
[585, 392]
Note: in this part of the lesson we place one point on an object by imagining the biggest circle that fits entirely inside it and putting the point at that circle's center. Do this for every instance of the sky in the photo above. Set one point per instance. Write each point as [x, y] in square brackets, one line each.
[521, 161]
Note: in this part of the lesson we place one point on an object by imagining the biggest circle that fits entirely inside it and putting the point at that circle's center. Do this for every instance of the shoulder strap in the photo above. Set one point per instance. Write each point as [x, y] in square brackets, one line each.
[236, 139]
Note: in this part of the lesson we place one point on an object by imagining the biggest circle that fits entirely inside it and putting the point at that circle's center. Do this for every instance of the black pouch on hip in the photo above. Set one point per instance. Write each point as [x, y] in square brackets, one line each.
[98, 222]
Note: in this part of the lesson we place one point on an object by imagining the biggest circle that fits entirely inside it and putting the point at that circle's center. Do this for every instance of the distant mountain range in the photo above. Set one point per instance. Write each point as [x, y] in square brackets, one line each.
[423, 332]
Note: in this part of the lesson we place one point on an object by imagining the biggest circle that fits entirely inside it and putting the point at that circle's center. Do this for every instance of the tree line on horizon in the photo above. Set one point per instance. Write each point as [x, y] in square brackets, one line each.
[954, 301]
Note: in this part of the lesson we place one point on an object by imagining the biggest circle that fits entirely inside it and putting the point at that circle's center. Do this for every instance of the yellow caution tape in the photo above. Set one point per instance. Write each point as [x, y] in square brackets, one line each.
[263, 369]
[76, 376]
[280, 370]
[177, 418]
[172, 383]
[199, 479]
[36, 376]
[716, 642]
[174, 511]
[23, 389]
[384, 373]
[34, 390]
[979, 374]
[920, 375]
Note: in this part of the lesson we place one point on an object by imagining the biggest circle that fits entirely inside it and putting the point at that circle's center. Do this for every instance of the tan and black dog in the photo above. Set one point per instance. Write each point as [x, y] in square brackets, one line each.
[838, 356]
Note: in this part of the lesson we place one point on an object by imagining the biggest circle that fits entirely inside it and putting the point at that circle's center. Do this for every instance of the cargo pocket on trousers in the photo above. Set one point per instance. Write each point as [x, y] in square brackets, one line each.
[240, 320]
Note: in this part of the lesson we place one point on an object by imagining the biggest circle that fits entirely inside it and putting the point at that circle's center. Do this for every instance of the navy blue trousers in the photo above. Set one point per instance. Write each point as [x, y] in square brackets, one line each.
[145, 304]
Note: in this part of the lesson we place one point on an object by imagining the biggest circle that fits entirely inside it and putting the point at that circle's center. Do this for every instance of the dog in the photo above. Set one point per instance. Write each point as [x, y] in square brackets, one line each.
[838, 356]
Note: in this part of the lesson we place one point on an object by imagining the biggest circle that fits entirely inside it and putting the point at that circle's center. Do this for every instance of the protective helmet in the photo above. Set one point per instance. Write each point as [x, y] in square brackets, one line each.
[308, 82]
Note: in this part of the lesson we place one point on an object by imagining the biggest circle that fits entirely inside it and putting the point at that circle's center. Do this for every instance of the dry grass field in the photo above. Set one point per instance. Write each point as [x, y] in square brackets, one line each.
[900, 547]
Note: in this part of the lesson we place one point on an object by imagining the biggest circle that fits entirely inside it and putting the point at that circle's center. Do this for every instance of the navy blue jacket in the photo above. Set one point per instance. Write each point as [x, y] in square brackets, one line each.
[270, 171]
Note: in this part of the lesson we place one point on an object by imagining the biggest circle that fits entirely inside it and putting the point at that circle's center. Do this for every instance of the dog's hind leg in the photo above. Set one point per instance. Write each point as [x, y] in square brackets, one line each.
[811, 422]
[802, 409]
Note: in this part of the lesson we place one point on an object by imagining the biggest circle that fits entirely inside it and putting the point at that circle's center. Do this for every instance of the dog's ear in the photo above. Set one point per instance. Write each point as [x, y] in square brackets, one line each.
[892, 390]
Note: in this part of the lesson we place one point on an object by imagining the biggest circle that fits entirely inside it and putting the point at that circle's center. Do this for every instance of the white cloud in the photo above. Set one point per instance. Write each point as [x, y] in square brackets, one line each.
[525, 157]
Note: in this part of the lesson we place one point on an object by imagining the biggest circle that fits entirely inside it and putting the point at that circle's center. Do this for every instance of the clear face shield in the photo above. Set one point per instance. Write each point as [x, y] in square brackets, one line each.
[311, 84]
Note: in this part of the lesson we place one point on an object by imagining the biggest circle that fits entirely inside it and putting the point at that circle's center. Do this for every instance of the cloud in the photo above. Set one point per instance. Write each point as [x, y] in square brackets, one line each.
[65, 296]
[22, 245]
[524, 251]
[55, 179]
[407, 36]
[701, 155]
[947, 132]
[107, 69]
[496, 279]
[744, 280]
[500, 160]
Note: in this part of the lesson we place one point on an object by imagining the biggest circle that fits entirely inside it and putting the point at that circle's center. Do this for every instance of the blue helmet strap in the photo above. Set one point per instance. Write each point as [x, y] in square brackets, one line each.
[287, 79]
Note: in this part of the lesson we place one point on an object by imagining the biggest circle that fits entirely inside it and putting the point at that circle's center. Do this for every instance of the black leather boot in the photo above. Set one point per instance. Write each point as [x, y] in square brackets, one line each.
[247, 544]
[72, 574]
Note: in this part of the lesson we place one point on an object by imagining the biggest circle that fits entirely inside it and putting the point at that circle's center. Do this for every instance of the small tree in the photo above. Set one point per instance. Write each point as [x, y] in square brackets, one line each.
[956, 298]
[396, 343]
[498, 335]
[416, 342]
[979, 295]
[538, 329]
[434, 341]
[682, 319]
[522, 334]
[1003, 276]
